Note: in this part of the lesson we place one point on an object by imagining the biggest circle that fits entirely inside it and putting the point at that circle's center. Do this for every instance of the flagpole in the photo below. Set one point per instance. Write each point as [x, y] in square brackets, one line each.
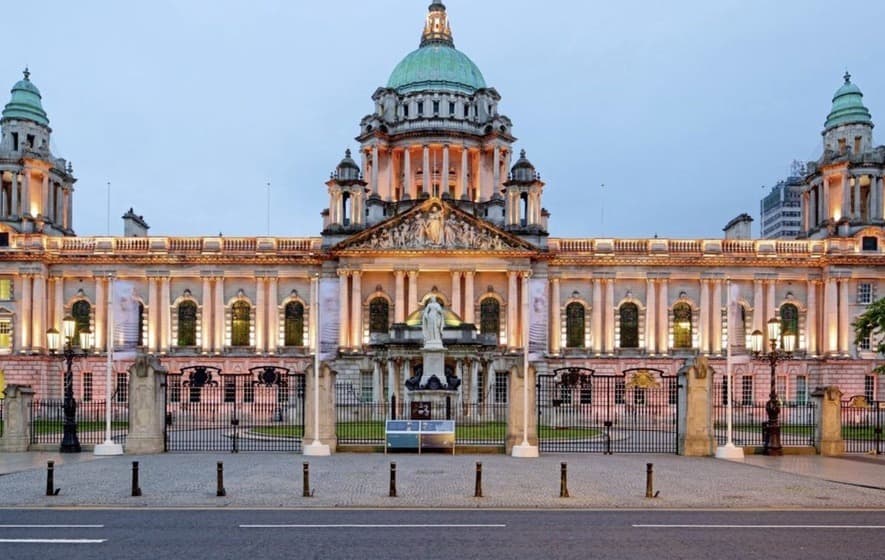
[525, 449]
[109, 447]
[316, 448]
[729, 450]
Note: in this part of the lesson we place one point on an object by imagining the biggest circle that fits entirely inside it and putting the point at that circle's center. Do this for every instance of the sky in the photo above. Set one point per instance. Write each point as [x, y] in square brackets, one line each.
[644, 118]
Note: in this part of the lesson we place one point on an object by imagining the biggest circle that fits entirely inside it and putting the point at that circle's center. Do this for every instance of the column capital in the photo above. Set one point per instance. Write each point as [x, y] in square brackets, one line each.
[413, 274]
[343, 273]
[399, 273]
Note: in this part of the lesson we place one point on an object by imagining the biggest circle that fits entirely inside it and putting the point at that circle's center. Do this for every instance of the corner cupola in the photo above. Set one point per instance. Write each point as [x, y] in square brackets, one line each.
[849, 125]
[25, 103]
[523, 212]
[347, 200]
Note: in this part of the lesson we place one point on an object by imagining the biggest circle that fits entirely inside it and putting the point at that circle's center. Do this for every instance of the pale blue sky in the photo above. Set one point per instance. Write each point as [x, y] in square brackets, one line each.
[682, 109]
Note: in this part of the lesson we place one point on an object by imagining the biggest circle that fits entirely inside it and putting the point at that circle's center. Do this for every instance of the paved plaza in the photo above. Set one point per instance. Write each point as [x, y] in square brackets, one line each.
[431, 480]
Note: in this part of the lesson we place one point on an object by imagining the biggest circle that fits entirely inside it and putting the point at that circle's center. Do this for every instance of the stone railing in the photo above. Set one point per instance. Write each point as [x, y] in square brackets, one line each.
[726, 247]
[162, 245]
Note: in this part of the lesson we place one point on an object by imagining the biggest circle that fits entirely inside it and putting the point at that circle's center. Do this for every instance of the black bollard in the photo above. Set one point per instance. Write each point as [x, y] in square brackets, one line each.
[136, 489]
[220, 492]
[393, 480]
[649, 484]
[305, 480]
[563, 480]
[51, 490]
[477, 493]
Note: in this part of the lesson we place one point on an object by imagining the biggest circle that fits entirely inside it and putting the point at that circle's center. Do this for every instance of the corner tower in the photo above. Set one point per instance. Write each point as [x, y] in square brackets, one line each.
[36, 188]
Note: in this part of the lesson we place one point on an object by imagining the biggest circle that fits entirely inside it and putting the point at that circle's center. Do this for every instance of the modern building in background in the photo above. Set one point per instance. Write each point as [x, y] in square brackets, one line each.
[781, 209]
[438, 201]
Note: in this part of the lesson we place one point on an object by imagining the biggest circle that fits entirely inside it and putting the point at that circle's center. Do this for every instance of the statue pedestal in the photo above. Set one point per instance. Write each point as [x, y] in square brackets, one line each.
[432, 404]
[434, 364]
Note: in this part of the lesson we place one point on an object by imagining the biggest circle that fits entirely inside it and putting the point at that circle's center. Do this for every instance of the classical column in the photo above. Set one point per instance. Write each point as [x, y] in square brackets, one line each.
[846, 196]
[758, 307]
[407, 173]
[844, 326]
[596, 317]
[153, 314]
[165, 314]
[664, 317]
[770, 302]
[444, 185]
[102, 337]
[38, 316]
[704, 313]
[58, 303]
[375, 166]
[206, 318]
[555, 320]
[399, 302]
[827, 212]
[26, 192]
[496, 169]
[811, 319]
[16, 209]
[831, 317]
[356, 311]
[377, 384]
[218, 314]
[806, 210]
[464, 170]
[44, 196]
[608, 309]
[260, 314]
[716, 308]
[25, 311]
[391, 379]
[273, 315]
[343, 309]
[650, 312]
[413, 292]
[524, 309]
[427, 173]
[313, 336]
[469, 302]
[879, 211]
[456, 293]
[512, 309]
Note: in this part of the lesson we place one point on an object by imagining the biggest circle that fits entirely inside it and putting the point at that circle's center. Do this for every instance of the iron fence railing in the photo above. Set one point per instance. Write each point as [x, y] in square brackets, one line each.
[1, 417]
[862, 425]
[797, 424]
[47, 421]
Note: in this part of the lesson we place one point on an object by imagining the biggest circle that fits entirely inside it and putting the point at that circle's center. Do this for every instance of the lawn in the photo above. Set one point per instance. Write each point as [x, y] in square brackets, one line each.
[43, 427]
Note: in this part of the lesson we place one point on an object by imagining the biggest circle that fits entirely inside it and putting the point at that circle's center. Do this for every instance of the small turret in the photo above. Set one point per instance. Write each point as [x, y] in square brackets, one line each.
[347, 193]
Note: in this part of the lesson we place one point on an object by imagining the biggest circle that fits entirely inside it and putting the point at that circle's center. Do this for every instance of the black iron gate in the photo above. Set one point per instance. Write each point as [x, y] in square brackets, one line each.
[208, 410]
[862, 425]
[584, 412]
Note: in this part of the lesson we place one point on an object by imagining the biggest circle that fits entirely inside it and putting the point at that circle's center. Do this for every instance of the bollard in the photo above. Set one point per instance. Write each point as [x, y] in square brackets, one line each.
[649, 485]
[51, 490]
[220, 491]
[136, 489]
[306, 480]
[393, 480]
[477, 493]
[563, 480]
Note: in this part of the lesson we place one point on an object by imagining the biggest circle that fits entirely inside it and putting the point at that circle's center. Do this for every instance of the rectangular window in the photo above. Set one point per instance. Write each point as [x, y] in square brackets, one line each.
[724, 392]
[864, 293]
[480, 386]
[620, 391]
[87, 386]
[501, 387]
[248, 392]
[5, 289]
[466, 111]
[869, 388]
[857, 144]
[282, 394]
[451, 109]
[420, 108]
[864, 343]
[565, 394]
[586, 394]
[746, 390]
[5, 335]
[175, 389]
[367, 391]
[673, 391]
[194, 396]
[638, 396]
[406, 110]
[801, 394]
[230, 390]
[122, 391]
[436, 107]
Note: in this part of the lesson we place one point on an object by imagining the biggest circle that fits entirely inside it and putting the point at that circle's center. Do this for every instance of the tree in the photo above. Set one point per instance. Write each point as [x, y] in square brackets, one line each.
[872, 324]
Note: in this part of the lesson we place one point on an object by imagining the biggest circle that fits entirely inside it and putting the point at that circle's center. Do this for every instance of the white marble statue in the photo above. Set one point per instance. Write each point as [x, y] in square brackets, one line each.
[432, 323]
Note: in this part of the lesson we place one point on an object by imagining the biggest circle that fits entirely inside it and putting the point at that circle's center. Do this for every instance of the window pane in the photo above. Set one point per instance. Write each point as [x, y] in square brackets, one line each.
[790, 319]
[378, 315]
[490, 317]
[81, 311]
[294, 324]
[629, 325]
[239, 328]
[187, 324]
[682, 325]
[574, 325]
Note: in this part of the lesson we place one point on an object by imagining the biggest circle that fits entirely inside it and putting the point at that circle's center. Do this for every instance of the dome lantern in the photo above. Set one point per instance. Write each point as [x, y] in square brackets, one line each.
[26, 102]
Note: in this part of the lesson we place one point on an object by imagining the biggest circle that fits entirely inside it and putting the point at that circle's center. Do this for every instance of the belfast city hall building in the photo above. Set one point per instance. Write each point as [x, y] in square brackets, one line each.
[436, 215]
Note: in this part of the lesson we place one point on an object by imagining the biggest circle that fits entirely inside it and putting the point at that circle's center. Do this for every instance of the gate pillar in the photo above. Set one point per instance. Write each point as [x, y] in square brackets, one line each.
[16, 419]
[147, 406]
[516, 408]
[696, 409]
[828, 430]
[326, 412]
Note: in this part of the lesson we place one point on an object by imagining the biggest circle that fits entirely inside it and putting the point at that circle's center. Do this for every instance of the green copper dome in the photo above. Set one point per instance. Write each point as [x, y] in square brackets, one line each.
[437, 64]
[848, 107]
[26, 102]
[436, 67]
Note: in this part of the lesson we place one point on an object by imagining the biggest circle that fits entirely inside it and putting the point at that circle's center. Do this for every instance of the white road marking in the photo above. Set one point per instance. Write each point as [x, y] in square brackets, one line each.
[760, 526]
[378, 526]
[51, 526]
[54, 541]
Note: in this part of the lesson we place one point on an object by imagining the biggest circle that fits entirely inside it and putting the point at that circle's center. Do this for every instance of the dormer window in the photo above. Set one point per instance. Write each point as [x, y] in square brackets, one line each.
[436, 108]
[15, 141]
[420, 108]
[466, 111]
[857, 144]
[30, 140]
[452, 109]
[406, 110]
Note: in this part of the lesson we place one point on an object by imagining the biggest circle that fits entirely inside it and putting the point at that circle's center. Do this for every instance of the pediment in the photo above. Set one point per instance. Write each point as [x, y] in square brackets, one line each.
[434, 225]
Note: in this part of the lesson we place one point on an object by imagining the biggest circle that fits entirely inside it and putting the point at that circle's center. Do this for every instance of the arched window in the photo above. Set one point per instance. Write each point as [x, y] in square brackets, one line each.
[681, 325]
[187, 323]
[81, 312]
[140, 324]
[490, 317]
[240, 316]
[379, 315]
[790, 319]
[293, 324]
[574, 325]
[629, 325]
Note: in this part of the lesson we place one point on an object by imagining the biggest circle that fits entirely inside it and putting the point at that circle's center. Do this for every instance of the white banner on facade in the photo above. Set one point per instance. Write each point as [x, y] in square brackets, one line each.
[539, 313]
[124, 322]
[329, 318]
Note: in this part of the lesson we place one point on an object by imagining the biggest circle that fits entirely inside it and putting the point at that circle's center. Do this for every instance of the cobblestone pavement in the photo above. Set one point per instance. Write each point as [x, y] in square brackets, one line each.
[363, 480]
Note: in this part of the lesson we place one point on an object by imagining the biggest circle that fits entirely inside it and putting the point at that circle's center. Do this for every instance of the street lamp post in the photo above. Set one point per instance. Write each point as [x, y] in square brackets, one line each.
[70, 443]
[780, 347]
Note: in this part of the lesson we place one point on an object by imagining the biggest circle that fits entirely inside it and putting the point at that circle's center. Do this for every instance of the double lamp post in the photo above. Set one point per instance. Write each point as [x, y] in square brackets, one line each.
[781, 346]
[70, 443]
